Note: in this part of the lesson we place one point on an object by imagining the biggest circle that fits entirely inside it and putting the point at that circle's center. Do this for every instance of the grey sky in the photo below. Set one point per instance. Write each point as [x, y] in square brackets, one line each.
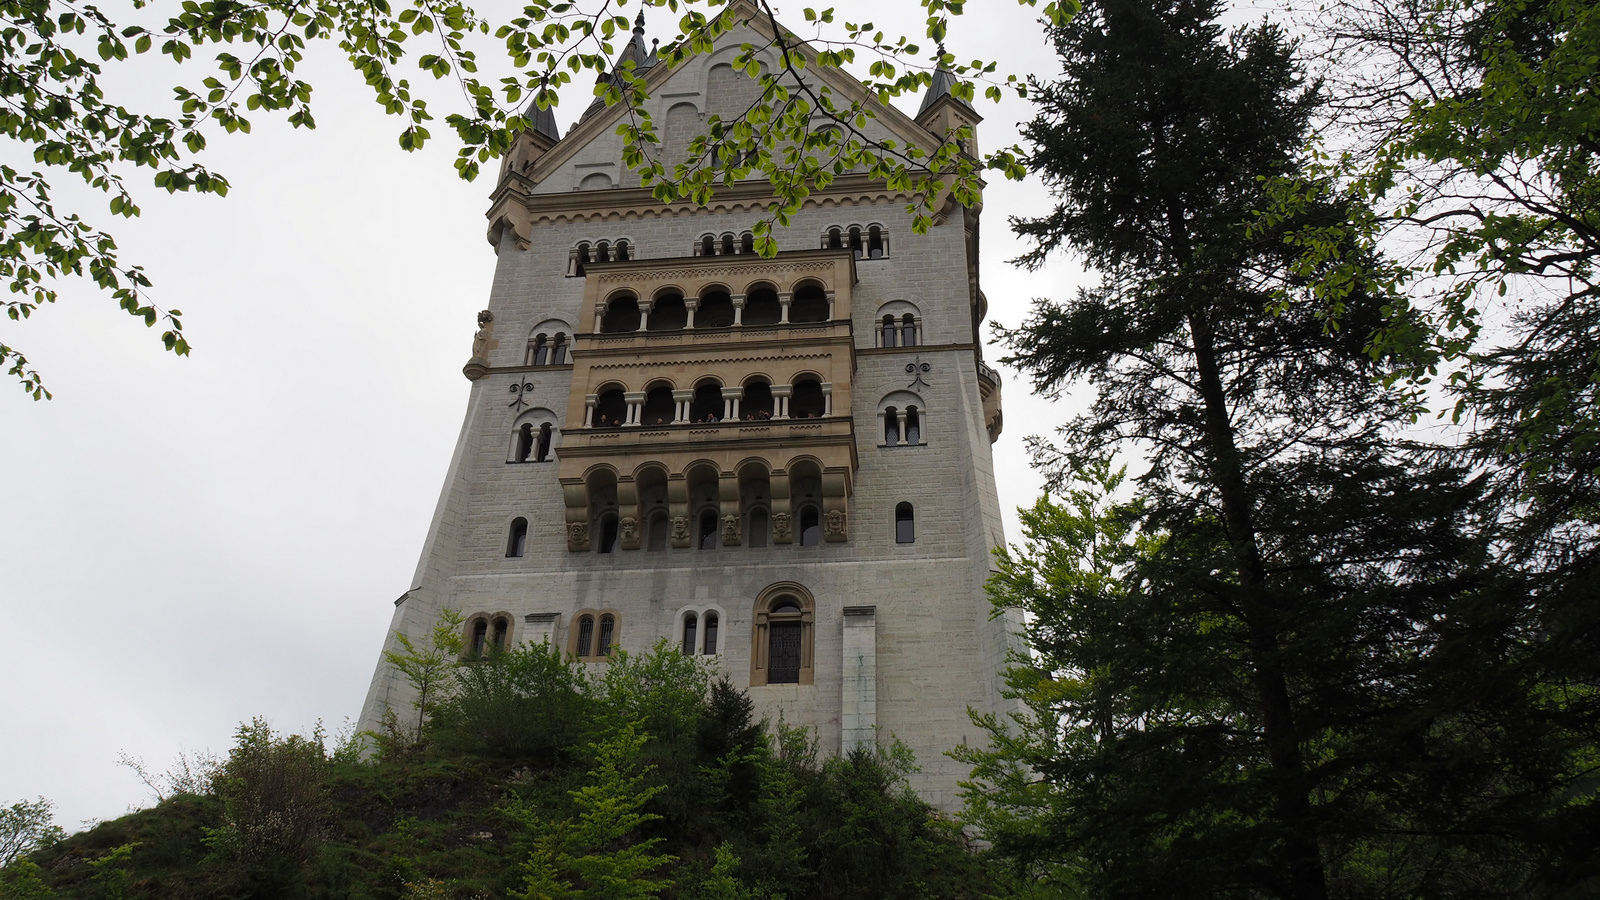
[187, 543]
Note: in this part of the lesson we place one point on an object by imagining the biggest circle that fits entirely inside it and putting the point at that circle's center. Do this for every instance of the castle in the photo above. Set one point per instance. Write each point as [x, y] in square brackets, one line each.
[782, 464]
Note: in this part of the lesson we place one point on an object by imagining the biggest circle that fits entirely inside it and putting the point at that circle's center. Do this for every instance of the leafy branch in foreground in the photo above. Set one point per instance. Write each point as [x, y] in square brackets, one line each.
[798, 133]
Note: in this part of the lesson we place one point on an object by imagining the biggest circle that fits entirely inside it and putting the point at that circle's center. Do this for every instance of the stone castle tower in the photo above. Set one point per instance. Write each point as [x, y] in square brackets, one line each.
[780, 463]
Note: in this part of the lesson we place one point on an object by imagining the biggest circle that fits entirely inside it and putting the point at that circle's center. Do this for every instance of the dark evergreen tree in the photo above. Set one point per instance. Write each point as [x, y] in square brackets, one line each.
[1288, 670]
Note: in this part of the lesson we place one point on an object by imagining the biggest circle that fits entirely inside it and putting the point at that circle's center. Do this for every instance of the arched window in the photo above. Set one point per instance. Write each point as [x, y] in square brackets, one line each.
[585, 636]
[517, 541]
[538, 351]
[747, 243]
[834, 240]
[727, 244]
[669, 313]
[525, 442]
[708, 246]
[706, 539]
[558, 352]
[610, 409]
[810, 304]
[913, 426]
[690, 622]
[755, 532]
[622, 251]
[855, 242]
[621, 315]
[716, 310]
[602, 252]
[608, 632]
[502, 631]
[781, 647]
[711, 634]
[904, 421]
[659, 529]
[877, 243]
[810, 526]
[887, 334]
[605, 532]
[659, 407]
[807, 401]
[905, 524]
[891, 426]
[707, 406]
[480, 638]
[577, 258]
[761, 307]
[757, 403]
[908, 330]
[546, 431]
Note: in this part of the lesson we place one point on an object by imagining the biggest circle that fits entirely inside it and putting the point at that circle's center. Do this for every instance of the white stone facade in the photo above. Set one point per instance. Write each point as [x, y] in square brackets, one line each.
[903, 640]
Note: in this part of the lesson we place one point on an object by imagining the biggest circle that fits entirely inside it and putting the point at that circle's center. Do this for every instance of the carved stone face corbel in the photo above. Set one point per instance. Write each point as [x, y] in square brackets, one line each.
[578, 536]
[781, 532]
[834, 526]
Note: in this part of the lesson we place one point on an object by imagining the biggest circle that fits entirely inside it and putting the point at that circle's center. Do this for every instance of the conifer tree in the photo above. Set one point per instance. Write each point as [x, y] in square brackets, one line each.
[1248, 682]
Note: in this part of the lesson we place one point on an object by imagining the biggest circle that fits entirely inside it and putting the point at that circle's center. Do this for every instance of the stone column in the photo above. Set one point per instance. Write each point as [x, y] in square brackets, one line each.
[858, 710]
[782, 514]
[691, 304]
[644, 313]
[883, 428]
[738, 309]
[901, 433]
[589, 402]
[730, 403]
[635, 401]
[780, 400]
[599, 316]
[678, 508]
[732, 523]
[680, 402]
[830, 306]
[628, 514]
[827, 398]
[784, 299]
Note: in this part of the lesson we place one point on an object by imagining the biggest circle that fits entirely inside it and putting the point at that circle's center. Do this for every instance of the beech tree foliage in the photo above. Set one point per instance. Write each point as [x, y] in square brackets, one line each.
[1298, 656]
[55, 56]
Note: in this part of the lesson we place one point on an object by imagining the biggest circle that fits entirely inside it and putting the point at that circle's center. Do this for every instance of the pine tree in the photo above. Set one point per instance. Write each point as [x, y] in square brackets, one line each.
[1258, 666]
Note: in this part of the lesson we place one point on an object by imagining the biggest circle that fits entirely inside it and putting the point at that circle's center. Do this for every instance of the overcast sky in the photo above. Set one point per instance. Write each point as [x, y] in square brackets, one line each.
[187, 543]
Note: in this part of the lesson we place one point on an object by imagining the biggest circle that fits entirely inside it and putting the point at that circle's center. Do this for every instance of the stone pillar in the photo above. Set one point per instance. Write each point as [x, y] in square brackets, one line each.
[589, 402]
[599, 316]
[635, 401]
[691, 304]
[784, 299]
[678, 506]
[680, 402]
[540, 627]
[830, 306]
[738, 309]
[732, 524]
[883, 429]
[628, 514]
[644, 314]
[827, 398]
[900, 434]
[782, 512]
[730, 403]
[780, 400]
[858, 711]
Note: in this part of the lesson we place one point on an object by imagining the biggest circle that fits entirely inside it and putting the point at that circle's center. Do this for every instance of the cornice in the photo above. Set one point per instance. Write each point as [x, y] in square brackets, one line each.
[820, 260]
[620, 204]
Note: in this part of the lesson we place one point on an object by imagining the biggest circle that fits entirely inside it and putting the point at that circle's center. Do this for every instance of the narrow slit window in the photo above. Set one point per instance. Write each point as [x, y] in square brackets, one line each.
[608, 534]
[501, 629]
[480, 634]
[891, 426]
[541, 350]
[905, 524]
[756, 538]
[711, 634]
[585, 635]
[908, 330]
[913, 426]
[545, 432]
[524, 442]
[810, 527]
[887, 333]
[558, 353]
[608, 630]
[708, 530]
[688, 634]
[517, 541]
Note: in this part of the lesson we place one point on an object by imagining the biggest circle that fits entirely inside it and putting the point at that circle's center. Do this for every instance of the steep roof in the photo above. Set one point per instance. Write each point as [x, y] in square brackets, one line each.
[643, 58]
[542, 121]
[943, 81]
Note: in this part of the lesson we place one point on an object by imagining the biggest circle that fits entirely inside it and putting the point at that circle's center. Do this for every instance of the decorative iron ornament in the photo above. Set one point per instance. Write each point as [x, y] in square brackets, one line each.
[916, 369]
[520, 388]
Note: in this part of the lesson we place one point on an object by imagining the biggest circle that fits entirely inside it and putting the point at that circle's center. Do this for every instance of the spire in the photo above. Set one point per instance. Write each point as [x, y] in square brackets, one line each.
[943, 81]
[542, 121]
[642, 54]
